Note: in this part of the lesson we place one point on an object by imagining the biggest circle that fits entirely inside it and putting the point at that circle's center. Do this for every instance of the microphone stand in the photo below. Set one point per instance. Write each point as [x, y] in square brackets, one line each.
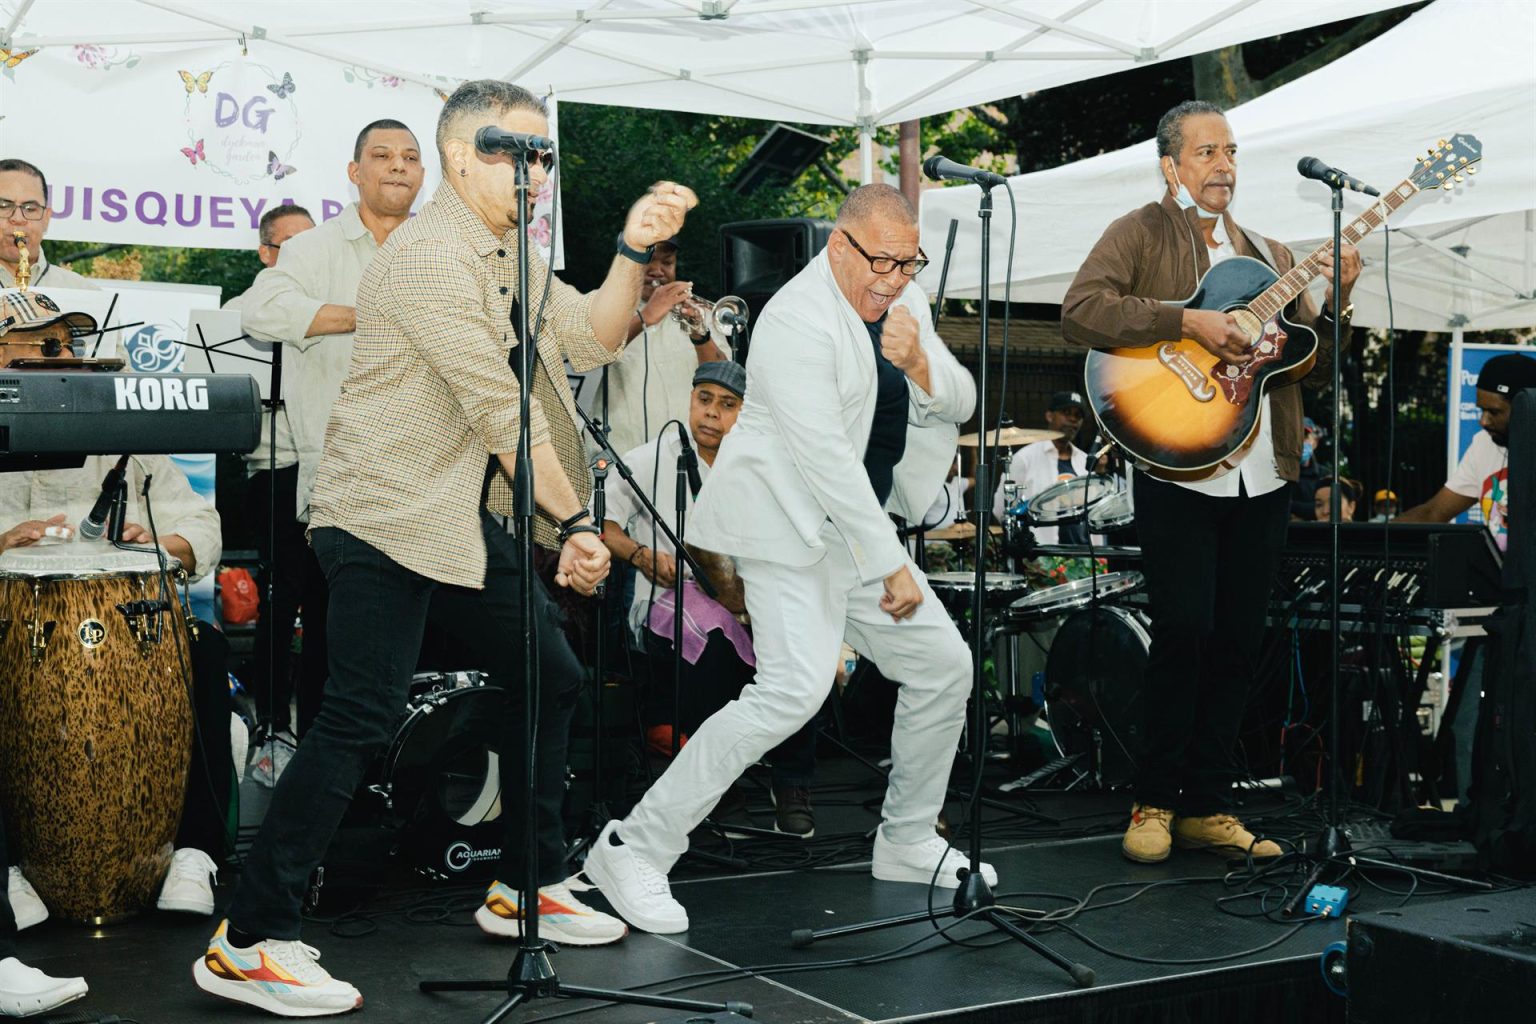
[1333, 841]
[973, 897]
[531, 975]
[677, 604]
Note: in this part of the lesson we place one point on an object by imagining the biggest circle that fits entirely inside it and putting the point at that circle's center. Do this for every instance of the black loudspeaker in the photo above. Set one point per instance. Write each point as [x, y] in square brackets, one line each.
[1458, 960]
[758, 257]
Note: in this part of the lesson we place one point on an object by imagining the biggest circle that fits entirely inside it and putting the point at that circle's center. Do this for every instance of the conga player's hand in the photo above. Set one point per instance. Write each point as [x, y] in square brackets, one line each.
[30, 532]
[133, 533]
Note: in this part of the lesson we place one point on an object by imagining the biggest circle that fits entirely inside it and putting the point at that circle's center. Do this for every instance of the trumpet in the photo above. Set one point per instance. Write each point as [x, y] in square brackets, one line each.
[719, 318]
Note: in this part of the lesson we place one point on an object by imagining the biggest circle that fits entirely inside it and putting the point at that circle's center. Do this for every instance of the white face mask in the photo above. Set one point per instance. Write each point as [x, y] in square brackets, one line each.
[1186, 201]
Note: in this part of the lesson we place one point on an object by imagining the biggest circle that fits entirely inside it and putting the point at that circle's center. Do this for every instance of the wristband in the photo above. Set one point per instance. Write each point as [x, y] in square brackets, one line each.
[634, 555]
[641, 256]
[566, 524]
[569, 532]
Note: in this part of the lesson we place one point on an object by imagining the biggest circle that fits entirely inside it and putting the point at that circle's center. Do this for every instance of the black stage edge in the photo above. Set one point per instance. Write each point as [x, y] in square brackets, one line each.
[142, 969]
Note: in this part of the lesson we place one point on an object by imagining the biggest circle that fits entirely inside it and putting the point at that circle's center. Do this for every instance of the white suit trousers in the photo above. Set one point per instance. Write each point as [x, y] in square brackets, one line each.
[800, 617]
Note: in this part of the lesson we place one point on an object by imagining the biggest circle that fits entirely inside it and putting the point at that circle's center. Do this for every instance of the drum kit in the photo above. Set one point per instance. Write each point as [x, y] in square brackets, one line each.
[95, 722]
[1095, 646]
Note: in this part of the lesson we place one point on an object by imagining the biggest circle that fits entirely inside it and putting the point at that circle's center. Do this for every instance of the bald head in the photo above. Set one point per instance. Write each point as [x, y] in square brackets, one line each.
[871, 204]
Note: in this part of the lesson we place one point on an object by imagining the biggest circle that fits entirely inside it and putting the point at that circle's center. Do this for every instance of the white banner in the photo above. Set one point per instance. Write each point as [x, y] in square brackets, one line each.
[153, 146]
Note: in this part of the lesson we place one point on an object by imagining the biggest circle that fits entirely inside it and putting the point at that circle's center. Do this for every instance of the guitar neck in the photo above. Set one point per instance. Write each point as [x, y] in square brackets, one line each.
[1280, 294]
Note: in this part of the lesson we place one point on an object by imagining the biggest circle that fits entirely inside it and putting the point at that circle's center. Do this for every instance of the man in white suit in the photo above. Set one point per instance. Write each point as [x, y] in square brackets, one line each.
[850, 412]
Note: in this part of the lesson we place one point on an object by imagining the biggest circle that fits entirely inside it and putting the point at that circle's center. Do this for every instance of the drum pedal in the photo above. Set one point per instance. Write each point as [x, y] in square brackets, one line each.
[1045, 771]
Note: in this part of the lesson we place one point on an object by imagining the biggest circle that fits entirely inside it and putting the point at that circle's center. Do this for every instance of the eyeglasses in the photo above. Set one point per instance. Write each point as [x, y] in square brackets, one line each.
[886, 264]
[29, 210]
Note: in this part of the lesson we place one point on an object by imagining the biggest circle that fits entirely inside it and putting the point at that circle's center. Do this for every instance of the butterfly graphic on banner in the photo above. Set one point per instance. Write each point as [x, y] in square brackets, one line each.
[195, 153]
[195, 82]
[10, 58]
[277, 168]
[285, 88]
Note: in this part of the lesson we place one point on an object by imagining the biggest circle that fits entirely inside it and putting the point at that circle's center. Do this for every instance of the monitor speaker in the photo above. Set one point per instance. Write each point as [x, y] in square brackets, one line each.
[758, 257]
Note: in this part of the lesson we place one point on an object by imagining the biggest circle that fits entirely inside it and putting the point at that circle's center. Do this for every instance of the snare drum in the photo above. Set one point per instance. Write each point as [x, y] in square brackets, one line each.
[95, 723]
[1067, 597]
[1070, 500]
[955, 589]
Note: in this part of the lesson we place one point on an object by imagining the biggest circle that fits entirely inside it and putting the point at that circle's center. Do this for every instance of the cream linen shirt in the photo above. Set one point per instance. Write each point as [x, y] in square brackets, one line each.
[178, 509]
[47, 275]
[651, 383]
[314, 268]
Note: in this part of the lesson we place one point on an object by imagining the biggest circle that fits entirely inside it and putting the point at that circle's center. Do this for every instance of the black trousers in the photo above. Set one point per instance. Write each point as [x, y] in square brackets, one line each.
[378, 612]
[315, 660]
[205, 811]
[1209, 564]
[7, 916]
[272, 685]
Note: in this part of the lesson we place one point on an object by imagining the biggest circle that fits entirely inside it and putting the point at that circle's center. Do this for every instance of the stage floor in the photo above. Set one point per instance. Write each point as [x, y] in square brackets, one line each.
[141, 969]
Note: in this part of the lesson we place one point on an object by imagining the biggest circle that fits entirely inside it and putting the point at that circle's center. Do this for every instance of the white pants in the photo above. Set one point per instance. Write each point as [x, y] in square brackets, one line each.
[800, 617]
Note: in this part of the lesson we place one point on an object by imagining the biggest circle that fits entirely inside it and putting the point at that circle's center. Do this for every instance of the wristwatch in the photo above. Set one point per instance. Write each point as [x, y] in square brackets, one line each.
[1344, 317]
[638, 255]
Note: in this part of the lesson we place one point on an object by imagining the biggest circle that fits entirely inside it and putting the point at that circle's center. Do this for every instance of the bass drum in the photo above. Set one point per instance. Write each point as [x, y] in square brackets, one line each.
[441, 777]
[1093, 685]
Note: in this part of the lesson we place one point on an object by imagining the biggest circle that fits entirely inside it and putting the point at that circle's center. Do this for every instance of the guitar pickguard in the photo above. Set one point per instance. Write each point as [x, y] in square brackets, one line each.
[1236, 382]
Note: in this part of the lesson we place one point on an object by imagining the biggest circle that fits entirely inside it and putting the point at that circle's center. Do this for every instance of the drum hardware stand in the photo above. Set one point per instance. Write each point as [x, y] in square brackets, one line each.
[973, 897]
[531, 976]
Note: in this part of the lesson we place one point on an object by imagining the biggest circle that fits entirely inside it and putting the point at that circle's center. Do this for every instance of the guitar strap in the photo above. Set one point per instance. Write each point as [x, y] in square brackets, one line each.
[1261, 247]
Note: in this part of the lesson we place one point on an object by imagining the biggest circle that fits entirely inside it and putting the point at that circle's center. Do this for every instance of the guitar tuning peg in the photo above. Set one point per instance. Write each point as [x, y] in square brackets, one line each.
[1471, 170]
[1449, 186]
[1441, 143]
[1459, 178]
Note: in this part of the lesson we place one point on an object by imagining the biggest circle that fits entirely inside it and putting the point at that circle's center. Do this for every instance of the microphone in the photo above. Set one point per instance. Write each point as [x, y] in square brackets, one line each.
[95, 522]
[1312, 167]
[731, 319]
[690, 460]
[491, 139]
[938, 168]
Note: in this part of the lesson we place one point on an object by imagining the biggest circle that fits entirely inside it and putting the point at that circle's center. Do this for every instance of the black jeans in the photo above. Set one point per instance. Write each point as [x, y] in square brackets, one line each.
[378, 611]
[711, 684]
[1209, 563]
[272, 683]
[7, 916]
[206, 809]
[315, 659]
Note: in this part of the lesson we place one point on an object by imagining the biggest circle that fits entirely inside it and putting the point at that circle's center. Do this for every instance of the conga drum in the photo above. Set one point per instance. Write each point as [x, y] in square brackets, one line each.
[95, 723]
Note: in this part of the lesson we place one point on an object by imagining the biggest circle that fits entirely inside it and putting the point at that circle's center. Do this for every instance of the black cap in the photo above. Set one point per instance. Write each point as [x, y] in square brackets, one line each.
[1066, 400]
[1507, 374]
[729, 375]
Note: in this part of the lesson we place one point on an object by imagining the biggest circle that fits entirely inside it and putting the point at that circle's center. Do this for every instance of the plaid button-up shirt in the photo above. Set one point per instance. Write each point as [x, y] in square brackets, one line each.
[429, 396]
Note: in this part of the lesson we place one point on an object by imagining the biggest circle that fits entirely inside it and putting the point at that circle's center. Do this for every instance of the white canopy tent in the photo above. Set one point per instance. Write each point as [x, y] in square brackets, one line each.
[1465, 260]
[852, 62]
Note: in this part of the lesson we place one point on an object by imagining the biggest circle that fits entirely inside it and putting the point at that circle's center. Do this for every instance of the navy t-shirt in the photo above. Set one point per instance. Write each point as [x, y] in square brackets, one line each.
[888, 433]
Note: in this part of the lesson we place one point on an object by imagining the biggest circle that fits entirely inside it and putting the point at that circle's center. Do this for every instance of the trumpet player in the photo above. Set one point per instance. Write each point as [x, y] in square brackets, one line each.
[669, 338]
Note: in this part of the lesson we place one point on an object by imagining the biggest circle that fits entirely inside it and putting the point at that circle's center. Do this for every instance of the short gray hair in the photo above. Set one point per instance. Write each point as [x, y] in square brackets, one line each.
[872, 202]
[477, 98]
[1170, 127]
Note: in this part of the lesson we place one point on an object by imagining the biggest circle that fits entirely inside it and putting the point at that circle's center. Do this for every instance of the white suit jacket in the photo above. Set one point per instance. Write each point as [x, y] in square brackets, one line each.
[795, 458]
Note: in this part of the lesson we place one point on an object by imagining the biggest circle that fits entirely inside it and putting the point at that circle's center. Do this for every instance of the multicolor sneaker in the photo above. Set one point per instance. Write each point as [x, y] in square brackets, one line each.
[562, 917]
[280, 976]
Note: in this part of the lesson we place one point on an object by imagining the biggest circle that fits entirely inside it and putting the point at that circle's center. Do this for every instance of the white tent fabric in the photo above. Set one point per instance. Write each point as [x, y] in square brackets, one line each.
[1461, 260]
[852, 62]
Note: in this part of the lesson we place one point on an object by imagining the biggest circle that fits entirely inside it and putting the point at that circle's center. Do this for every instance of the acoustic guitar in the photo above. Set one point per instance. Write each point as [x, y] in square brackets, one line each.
[1181, 412]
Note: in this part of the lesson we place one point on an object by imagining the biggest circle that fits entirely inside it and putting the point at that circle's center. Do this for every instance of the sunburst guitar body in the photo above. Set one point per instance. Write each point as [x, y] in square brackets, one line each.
[1183, 411]
[1184, 414]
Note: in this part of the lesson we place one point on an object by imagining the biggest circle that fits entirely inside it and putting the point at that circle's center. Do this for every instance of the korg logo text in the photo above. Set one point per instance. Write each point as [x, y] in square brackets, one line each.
[151, 394]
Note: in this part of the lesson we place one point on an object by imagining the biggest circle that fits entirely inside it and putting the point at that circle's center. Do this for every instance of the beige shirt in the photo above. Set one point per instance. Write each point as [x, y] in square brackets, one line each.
[287, 454]
[429, 397]
[47, 275]
[177, 507]
[315, 267]
[651, 383]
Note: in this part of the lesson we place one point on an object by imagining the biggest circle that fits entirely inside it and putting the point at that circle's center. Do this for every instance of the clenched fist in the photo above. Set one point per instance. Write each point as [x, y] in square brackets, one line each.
[658, 215]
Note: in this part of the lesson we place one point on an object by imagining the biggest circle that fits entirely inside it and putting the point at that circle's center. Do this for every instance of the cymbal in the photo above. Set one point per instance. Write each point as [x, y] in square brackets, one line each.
[1010, 437]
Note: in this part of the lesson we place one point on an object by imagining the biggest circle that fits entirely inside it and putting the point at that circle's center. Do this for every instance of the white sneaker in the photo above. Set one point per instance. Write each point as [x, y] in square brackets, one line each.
[280, 976]
[26, 904]
[273, 757]
[562, 917]
[188, 886]
[915, 862]
[639, 892]
[25, 991]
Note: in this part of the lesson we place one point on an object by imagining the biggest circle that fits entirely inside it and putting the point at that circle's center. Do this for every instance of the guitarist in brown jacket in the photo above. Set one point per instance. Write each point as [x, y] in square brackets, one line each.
[1210, 540]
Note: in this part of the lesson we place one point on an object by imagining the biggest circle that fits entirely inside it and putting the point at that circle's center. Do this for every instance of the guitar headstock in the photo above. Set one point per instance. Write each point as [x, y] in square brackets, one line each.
[1447, 163]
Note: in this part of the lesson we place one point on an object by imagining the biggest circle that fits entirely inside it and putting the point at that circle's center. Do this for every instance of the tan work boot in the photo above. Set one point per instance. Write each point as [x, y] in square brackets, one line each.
[1222, 834]
[1148, 841]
